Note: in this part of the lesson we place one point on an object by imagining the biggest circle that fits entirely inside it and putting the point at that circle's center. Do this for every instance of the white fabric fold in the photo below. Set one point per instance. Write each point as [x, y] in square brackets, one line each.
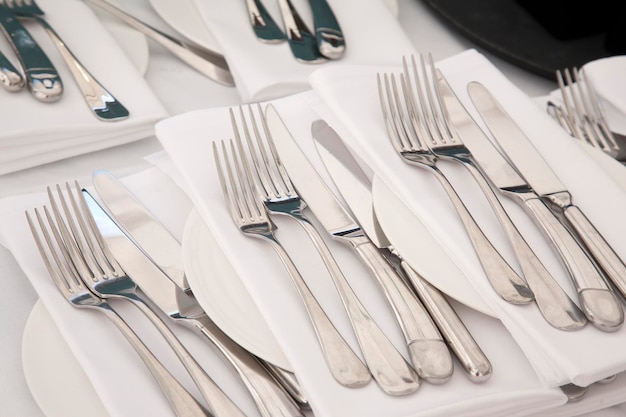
[264, 71]
[34, 133]
[558, 357]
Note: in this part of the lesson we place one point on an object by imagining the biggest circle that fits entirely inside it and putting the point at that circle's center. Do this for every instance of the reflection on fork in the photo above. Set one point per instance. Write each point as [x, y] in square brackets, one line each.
[250, 215]
[411, 139]
[102, 274]
[279, 195]
[60, 265]
[580, 114]
[101, 102]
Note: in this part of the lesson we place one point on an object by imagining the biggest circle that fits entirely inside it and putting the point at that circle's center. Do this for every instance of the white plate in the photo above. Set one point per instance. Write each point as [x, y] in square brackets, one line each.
[223, 295]
[52, 372]
[183, 15]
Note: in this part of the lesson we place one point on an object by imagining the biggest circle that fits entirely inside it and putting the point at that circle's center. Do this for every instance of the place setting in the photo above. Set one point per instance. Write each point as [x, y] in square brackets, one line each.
[367, 229]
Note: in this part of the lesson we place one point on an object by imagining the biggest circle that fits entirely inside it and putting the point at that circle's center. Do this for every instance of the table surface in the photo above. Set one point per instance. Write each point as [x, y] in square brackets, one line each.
[192, 91]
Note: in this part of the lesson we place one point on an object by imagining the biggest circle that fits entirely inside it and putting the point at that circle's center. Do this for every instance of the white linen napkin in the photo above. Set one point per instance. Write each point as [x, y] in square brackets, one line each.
[187, 139]
[34, 133]
[558, 357]
[264, 71]
[606, 76]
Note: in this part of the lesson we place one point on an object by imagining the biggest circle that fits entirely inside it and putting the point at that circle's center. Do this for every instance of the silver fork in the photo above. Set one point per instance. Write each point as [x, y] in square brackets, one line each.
[273, 184]
[60, 265]
[445, 142]
[409, 138]
[581, 115]
[100, 101]
[100, 271]
[250, 216]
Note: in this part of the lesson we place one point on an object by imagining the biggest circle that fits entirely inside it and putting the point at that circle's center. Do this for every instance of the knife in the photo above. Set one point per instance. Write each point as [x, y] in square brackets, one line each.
[262, 23]
[356, 189]
[42, 78]
[599, 303]
[162, 249]
[300, 39]
[556, 307]
[328, 34]
[428, 353]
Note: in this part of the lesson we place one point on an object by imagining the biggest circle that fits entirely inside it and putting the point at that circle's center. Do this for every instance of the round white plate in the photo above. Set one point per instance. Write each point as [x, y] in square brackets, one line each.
[223, 295]
[53, 373]
[183, 15]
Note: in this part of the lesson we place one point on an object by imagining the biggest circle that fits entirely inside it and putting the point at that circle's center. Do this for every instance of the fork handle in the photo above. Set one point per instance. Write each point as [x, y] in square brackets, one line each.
[183, 403]
[502, 277]
[343, 363]
[10, 78]
[392, 373]
[553, 303]
[270, 398]
[219, 402]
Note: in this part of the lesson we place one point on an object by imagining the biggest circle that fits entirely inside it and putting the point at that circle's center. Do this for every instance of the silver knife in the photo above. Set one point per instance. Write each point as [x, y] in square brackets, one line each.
[337, 221]
[157, 244]
[300, 39]
[557, 308]
[599, 302]
[42, 77]
[356, 188]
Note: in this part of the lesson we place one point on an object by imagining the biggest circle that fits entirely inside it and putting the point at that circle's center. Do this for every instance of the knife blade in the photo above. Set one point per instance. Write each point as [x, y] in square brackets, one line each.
[598, 300]
[147, 233]
[356, 188]
[42, 77]
[343, 227]
[554, 304]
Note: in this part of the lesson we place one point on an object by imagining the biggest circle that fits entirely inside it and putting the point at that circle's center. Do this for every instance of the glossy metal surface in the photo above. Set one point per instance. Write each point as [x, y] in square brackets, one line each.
[250, 216]
[42, 77]
[328, 33]
[340, 224]
[70, 284]
[10, 78]
[599, 303]
[164, 250]
[264, 26]
[556, 307]
[301, 40]
[210, 63]
[99, 100]
[355, 187]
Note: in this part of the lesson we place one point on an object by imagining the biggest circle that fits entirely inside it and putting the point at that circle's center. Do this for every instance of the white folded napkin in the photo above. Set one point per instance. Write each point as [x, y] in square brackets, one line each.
[187, 139]
[264, 71]
[558, 357]
[34, 133]
[606, 76]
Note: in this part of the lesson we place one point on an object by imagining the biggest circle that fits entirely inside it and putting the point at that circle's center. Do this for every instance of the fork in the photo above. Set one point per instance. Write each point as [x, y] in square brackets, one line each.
[10, 78]
[101, 273]
[100, 101]
[251, 217]
[410, 137]
[272, 182]
[581, 115]
[59, 264]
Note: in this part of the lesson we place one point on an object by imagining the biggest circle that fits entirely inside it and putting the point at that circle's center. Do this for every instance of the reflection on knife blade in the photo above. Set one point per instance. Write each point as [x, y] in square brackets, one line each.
[162, 249]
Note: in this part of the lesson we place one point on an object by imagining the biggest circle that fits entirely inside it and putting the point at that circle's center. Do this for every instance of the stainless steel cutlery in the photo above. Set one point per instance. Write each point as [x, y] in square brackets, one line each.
[328, 33]
[264, 26]
[599, 303]
[10, 78]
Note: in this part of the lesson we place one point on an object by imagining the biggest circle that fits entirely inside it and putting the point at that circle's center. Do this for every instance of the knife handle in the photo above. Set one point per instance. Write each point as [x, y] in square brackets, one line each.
[264, 27]
[328, 34]
[219, 402]
[10, 78]
[597, 300]
[270, 398]
[429, 354]
[602, 252]
[460, 340]
[42, 78]
[183, 403]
